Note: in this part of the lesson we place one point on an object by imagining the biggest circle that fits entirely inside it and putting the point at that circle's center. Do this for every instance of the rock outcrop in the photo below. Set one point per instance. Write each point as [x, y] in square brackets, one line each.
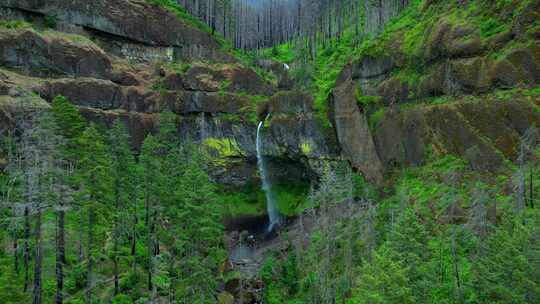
[353, 133]
[52, 54]
[136, 20]
[484, 131]
[82, 59]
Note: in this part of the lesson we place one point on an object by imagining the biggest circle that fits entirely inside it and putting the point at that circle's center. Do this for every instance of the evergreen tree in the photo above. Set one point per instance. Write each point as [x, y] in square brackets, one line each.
[123, 175]
[95, 179]
[384, 280]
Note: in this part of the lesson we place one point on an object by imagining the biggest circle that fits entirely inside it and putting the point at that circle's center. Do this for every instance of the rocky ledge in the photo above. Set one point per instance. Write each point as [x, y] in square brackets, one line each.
[219, 102]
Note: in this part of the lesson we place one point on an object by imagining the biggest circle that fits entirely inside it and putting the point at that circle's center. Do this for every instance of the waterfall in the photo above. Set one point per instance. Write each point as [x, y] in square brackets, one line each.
[273, 214]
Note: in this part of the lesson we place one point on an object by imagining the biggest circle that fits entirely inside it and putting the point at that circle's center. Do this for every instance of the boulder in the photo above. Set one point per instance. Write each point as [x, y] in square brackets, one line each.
[353, 134]
[52, 53]
[505, 75]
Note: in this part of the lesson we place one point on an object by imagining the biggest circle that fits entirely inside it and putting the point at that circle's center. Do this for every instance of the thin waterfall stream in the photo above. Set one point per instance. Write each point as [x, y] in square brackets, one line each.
[273, 215]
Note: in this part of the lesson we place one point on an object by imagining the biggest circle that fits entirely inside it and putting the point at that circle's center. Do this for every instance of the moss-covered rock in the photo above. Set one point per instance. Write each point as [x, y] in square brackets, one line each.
[52, 53]
[486, 130]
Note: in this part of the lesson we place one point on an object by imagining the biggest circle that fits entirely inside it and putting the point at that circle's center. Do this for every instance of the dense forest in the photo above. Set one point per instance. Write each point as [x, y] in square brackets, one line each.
[269, 151]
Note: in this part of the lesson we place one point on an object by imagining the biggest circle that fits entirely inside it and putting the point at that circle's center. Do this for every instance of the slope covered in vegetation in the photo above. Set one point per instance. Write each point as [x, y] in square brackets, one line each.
[399, 138]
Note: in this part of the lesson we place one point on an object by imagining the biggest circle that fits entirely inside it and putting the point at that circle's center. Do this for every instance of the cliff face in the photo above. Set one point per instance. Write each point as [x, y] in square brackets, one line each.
[119, 60]
[429, 80]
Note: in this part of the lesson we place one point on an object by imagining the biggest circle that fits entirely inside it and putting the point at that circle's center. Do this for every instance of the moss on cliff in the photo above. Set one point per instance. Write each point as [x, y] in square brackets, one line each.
[223, 147]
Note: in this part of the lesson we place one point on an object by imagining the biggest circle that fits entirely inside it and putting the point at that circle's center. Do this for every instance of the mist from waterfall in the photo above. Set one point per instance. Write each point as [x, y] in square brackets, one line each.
[273, 214]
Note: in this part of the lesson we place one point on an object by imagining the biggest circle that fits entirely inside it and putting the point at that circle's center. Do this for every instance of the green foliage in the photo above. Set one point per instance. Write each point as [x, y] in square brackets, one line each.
[14, 24]
[291, 197]
[249, 200]
[384, 280]
[182, 14]
[119, 213]
[284, 53]
[68, 119]
[51, 21]
[376, 117]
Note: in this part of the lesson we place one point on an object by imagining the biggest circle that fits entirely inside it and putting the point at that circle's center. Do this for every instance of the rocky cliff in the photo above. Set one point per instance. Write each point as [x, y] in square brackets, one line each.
[427, 82]
[132, 60]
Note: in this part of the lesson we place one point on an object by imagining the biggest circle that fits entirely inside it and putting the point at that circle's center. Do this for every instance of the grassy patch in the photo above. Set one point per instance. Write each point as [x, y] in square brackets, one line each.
[183, 14]
[14, 24]
[284, 53]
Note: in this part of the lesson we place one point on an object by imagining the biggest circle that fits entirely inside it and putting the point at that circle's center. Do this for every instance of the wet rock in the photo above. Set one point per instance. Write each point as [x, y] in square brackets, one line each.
[229, 78]
[447, 40]
[174, 81]
[124, 78]
[499, 40]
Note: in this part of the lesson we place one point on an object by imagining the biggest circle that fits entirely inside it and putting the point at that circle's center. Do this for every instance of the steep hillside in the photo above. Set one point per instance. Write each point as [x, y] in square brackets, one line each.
[387, 154]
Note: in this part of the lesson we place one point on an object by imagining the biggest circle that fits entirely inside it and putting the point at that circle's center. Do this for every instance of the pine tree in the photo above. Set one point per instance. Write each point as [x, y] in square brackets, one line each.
[151, 170]
[95, 186]
[123, 184]
[384, 280]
